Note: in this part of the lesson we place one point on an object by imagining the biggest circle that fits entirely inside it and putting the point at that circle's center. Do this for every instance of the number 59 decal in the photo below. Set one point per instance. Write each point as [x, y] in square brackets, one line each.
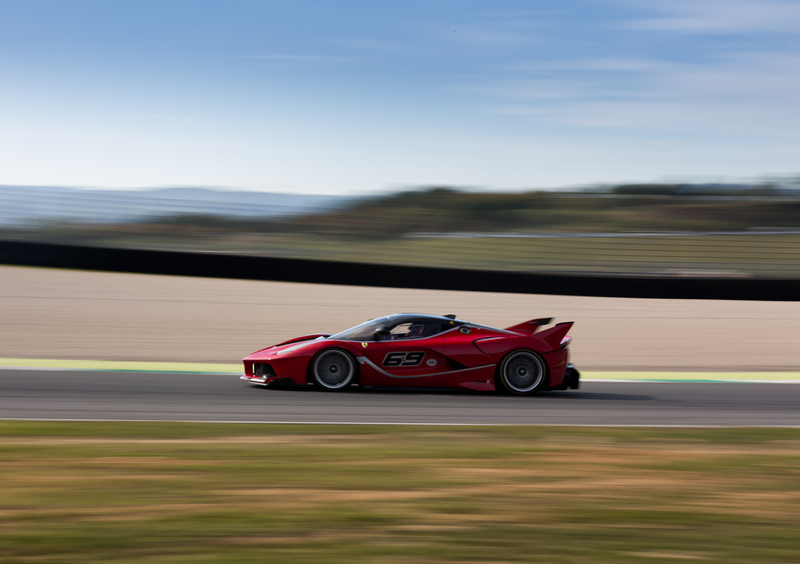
[404, 359]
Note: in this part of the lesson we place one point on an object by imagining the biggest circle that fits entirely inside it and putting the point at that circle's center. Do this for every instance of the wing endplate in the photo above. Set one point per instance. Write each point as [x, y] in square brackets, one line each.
[555, 335]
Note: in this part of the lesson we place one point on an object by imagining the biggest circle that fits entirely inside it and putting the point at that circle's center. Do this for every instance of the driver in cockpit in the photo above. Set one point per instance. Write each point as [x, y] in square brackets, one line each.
[415, 331]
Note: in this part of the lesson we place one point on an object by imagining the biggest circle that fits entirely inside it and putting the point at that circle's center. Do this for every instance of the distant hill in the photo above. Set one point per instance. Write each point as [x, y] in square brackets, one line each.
[23, 204]
[627, 208]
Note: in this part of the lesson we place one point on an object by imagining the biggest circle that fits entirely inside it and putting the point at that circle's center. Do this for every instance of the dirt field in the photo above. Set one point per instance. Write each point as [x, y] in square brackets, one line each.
[47, 313]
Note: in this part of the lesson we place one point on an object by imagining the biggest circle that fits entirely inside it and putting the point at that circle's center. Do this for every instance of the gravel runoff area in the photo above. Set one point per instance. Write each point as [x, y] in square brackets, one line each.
[66, 314]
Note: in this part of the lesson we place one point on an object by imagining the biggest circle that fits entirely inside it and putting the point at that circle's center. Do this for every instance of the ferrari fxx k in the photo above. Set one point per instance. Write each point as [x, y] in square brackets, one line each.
[418, 350]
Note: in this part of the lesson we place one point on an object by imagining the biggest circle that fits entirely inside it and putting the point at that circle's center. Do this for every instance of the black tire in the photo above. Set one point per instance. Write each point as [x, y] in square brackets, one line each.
[522, 372]
[333, 370]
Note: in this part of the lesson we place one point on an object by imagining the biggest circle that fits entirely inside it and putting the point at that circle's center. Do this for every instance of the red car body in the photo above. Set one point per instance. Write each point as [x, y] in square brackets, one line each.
[418, 350]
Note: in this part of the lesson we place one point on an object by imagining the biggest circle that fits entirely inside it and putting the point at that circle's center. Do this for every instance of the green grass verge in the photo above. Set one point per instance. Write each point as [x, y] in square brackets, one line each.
[196, 368]
[209, 493]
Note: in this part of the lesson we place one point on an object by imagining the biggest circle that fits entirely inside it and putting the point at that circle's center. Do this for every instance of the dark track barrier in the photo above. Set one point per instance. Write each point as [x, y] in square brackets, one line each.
[245, 267]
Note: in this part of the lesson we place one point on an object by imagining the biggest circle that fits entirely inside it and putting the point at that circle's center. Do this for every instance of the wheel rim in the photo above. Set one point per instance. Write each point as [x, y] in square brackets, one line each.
[333, 370]
[523, 372]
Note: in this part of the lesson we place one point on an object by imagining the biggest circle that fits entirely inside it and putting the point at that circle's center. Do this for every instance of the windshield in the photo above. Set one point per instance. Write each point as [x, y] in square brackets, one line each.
[363, 332]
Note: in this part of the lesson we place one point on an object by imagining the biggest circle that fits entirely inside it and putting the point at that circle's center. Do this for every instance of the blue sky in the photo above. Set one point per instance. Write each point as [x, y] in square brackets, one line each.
[355, 96]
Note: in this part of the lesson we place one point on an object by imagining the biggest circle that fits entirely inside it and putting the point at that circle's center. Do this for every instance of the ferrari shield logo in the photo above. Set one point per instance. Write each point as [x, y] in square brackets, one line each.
[364, 344]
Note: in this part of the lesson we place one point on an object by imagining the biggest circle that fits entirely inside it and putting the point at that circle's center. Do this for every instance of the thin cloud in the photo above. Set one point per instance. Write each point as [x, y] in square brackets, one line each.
[752, 94]
[720, 16]
[379, 45]
[604, 64]
[490, 35]
[300, 58]
[543, 90]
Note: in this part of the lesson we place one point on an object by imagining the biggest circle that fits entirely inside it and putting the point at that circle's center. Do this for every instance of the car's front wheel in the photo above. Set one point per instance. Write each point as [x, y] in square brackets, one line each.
[522, 372]
[333, 370]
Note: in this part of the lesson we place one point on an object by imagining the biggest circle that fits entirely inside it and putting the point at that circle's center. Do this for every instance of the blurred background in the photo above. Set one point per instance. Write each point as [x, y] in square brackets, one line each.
[710, 230]
[645, 138]
[652, 138]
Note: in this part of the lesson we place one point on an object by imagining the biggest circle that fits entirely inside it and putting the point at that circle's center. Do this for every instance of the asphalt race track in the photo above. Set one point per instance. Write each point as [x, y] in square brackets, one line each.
[73, 395]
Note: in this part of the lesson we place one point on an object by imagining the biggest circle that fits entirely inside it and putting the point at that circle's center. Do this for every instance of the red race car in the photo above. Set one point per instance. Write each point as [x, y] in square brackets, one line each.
[417, 350]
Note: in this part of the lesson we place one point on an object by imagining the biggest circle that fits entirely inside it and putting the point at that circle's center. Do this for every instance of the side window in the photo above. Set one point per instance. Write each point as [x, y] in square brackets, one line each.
[415, 330]
[402, 331]
[431, 329]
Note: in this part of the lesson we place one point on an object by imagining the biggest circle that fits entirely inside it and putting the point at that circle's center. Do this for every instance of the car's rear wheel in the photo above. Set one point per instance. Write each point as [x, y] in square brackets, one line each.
[333, 370]
[522, 372]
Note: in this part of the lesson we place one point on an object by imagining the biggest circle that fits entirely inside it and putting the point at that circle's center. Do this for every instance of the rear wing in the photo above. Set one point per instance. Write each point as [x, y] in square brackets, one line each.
[530, 327]
[555, 336]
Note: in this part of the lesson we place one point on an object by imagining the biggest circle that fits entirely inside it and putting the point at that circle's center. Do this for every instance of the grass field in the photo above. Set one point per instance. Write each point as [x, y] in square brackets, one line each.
[727, 255]
[156, 492]
[756, 254]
